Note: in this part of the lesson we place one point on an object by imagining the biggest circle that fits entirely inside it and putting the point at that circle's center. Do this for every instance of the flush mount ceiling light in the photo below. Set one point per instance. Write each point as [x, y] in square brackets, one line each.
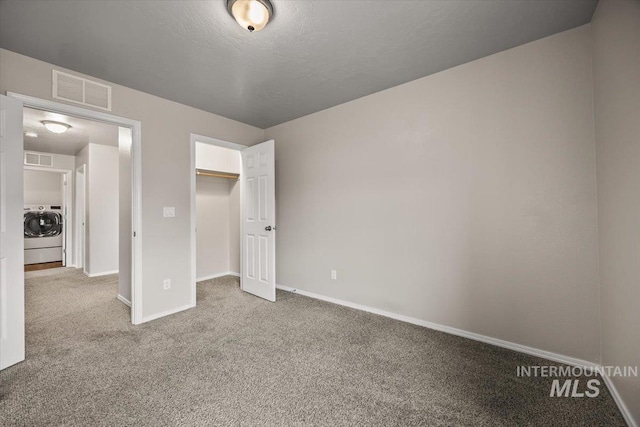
[252, 15]
[31, 134]
[55, 127]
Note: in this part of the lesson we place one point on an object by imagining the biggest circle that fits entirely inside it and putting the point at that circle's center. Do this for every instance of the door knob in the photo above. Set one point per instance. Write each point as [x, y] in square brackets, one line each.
[267, 228]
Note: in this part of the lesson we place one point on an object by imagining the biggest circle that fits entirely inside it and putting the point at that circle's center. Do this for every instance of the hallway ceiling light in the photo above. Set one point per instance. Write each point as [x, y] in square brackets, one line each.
[31, 134]
[56, 127]
[252, 15]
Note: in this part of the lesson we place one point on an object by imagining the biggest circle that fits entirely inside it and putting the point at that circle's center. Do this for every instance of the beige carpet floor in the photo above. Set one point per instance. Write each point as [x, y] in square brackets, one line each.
[238, 360]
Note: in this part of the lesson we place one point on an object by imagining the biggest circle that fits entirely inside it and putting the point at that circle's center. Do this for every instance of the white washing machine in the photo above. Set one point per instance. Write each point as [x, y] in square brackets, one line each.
[42, 234]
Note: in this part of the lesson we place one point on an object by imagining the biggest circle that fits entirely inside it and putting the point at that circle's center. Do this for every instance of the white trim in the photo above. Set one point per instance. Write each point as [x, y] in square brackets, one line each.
[136, 177]
[45, 168]
[215, 276]
[218, 142]
[192, 179]
[626, 413]
[104, 273]
[82, 112]
[81, 211]
[136, 223]
[450, 330]
[192, 218]
[68, 204]
[124, 300]
[166, 313]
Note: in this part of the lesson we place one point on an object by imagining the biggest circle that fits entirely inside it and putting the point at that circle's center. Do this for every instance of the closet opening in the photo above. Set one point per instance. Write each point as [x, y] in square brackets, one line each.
[233, 213]
[217, 206]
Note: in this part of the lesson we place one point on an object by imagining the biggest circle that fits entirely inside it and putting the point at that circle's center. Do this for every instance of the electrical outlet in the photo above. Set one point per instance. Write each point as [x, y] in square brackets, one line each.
[334, 275]
[167, 284]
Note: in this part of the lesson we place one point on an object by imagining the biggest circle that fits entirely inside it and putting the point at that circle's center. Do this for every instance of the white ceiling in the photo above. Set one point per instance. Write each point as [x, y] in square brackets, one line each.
[81, 133]
[313, 55]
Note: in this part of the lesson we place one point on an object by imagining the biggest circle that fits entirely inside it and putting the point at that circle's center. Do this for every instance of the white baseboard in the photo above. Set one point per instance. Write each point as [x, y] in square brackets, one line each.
[618, 399]
[450, 330]
[167, 313]
[104, 273]
[215, 276]
[124, 300]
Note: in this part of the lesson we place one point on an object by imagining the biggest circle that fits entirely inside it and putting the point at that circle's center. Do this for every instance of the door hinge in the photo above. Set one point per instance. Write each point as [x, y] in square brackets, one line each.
[134, 234]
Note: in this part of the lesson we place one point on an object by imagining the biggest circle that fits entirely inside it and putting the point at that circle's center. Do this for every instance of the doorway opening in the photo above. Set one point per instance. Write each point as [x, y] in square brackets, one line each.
[217, 211]
[233, 214]
[14, 158]
[76, 222]
[102, 209]
[46, 200]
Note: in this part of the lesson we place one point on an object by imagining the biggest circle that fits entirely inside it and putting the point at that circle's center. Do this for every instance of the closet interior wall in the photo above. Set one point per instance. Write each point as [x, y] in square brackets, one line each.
[217, 213]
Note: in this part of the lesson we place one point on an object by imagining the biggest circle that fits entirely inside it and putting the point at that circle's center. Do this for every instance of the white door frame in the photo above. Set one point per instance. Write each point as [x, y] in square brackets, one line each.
[68, 214]
[219, 143]
[136, 188]
[81, 210]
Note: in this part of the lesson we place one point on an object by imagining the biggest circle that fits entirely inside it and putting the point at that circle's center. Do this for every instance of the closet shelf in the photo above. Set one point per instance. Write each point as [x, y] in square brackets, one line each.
[217, 174]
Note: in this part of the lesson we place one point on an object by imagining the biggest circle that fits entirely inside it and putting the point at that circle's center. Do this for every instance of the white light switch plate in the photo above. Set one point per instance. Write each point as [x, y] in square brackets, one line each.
[169, 212]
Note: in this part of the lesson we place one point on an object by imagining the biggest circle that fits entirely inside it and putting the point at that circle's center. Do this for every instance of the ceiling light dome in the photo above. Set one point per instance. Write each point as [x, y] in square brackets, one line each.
[252, 15]
[55, 127]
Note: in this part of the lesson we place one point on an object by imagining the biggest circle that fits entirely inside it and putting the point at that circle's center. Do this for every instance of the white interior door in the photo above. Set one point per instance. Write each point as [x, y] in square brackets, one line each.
[258, 272]
[11, 233]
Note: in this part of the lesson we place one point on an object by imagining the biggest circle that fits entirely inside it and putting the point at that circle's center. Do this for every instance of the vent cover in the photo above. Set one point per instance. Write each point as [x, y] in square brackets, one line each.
[45, 160]
[81, 91]
[35, 159]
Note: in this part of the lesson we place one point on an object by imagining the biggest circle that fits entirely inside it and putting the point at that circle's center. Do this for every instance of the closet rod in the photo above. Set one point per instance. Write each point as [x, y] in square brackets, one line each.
[217, 174]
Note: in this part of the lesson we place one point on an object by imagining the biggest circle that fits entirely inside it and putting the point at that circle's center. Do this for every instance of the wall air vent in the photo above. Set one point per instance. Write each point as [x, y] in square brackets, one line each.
[35, 159]
[46, 160]
[81, 91]
[31, 159]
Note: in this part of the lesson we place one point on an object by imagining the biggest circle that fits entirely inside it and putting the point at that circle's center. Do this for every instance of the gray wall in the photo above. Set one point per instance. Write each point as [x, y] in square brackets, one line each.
[616, 78]
[166, 171]
[466, 198]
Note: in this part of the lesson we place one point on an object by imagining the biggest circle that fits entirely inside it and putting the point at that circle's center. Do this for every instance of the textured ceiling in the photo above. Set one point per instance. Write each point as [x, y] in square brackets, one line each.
[81, 133]
[313, 55]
